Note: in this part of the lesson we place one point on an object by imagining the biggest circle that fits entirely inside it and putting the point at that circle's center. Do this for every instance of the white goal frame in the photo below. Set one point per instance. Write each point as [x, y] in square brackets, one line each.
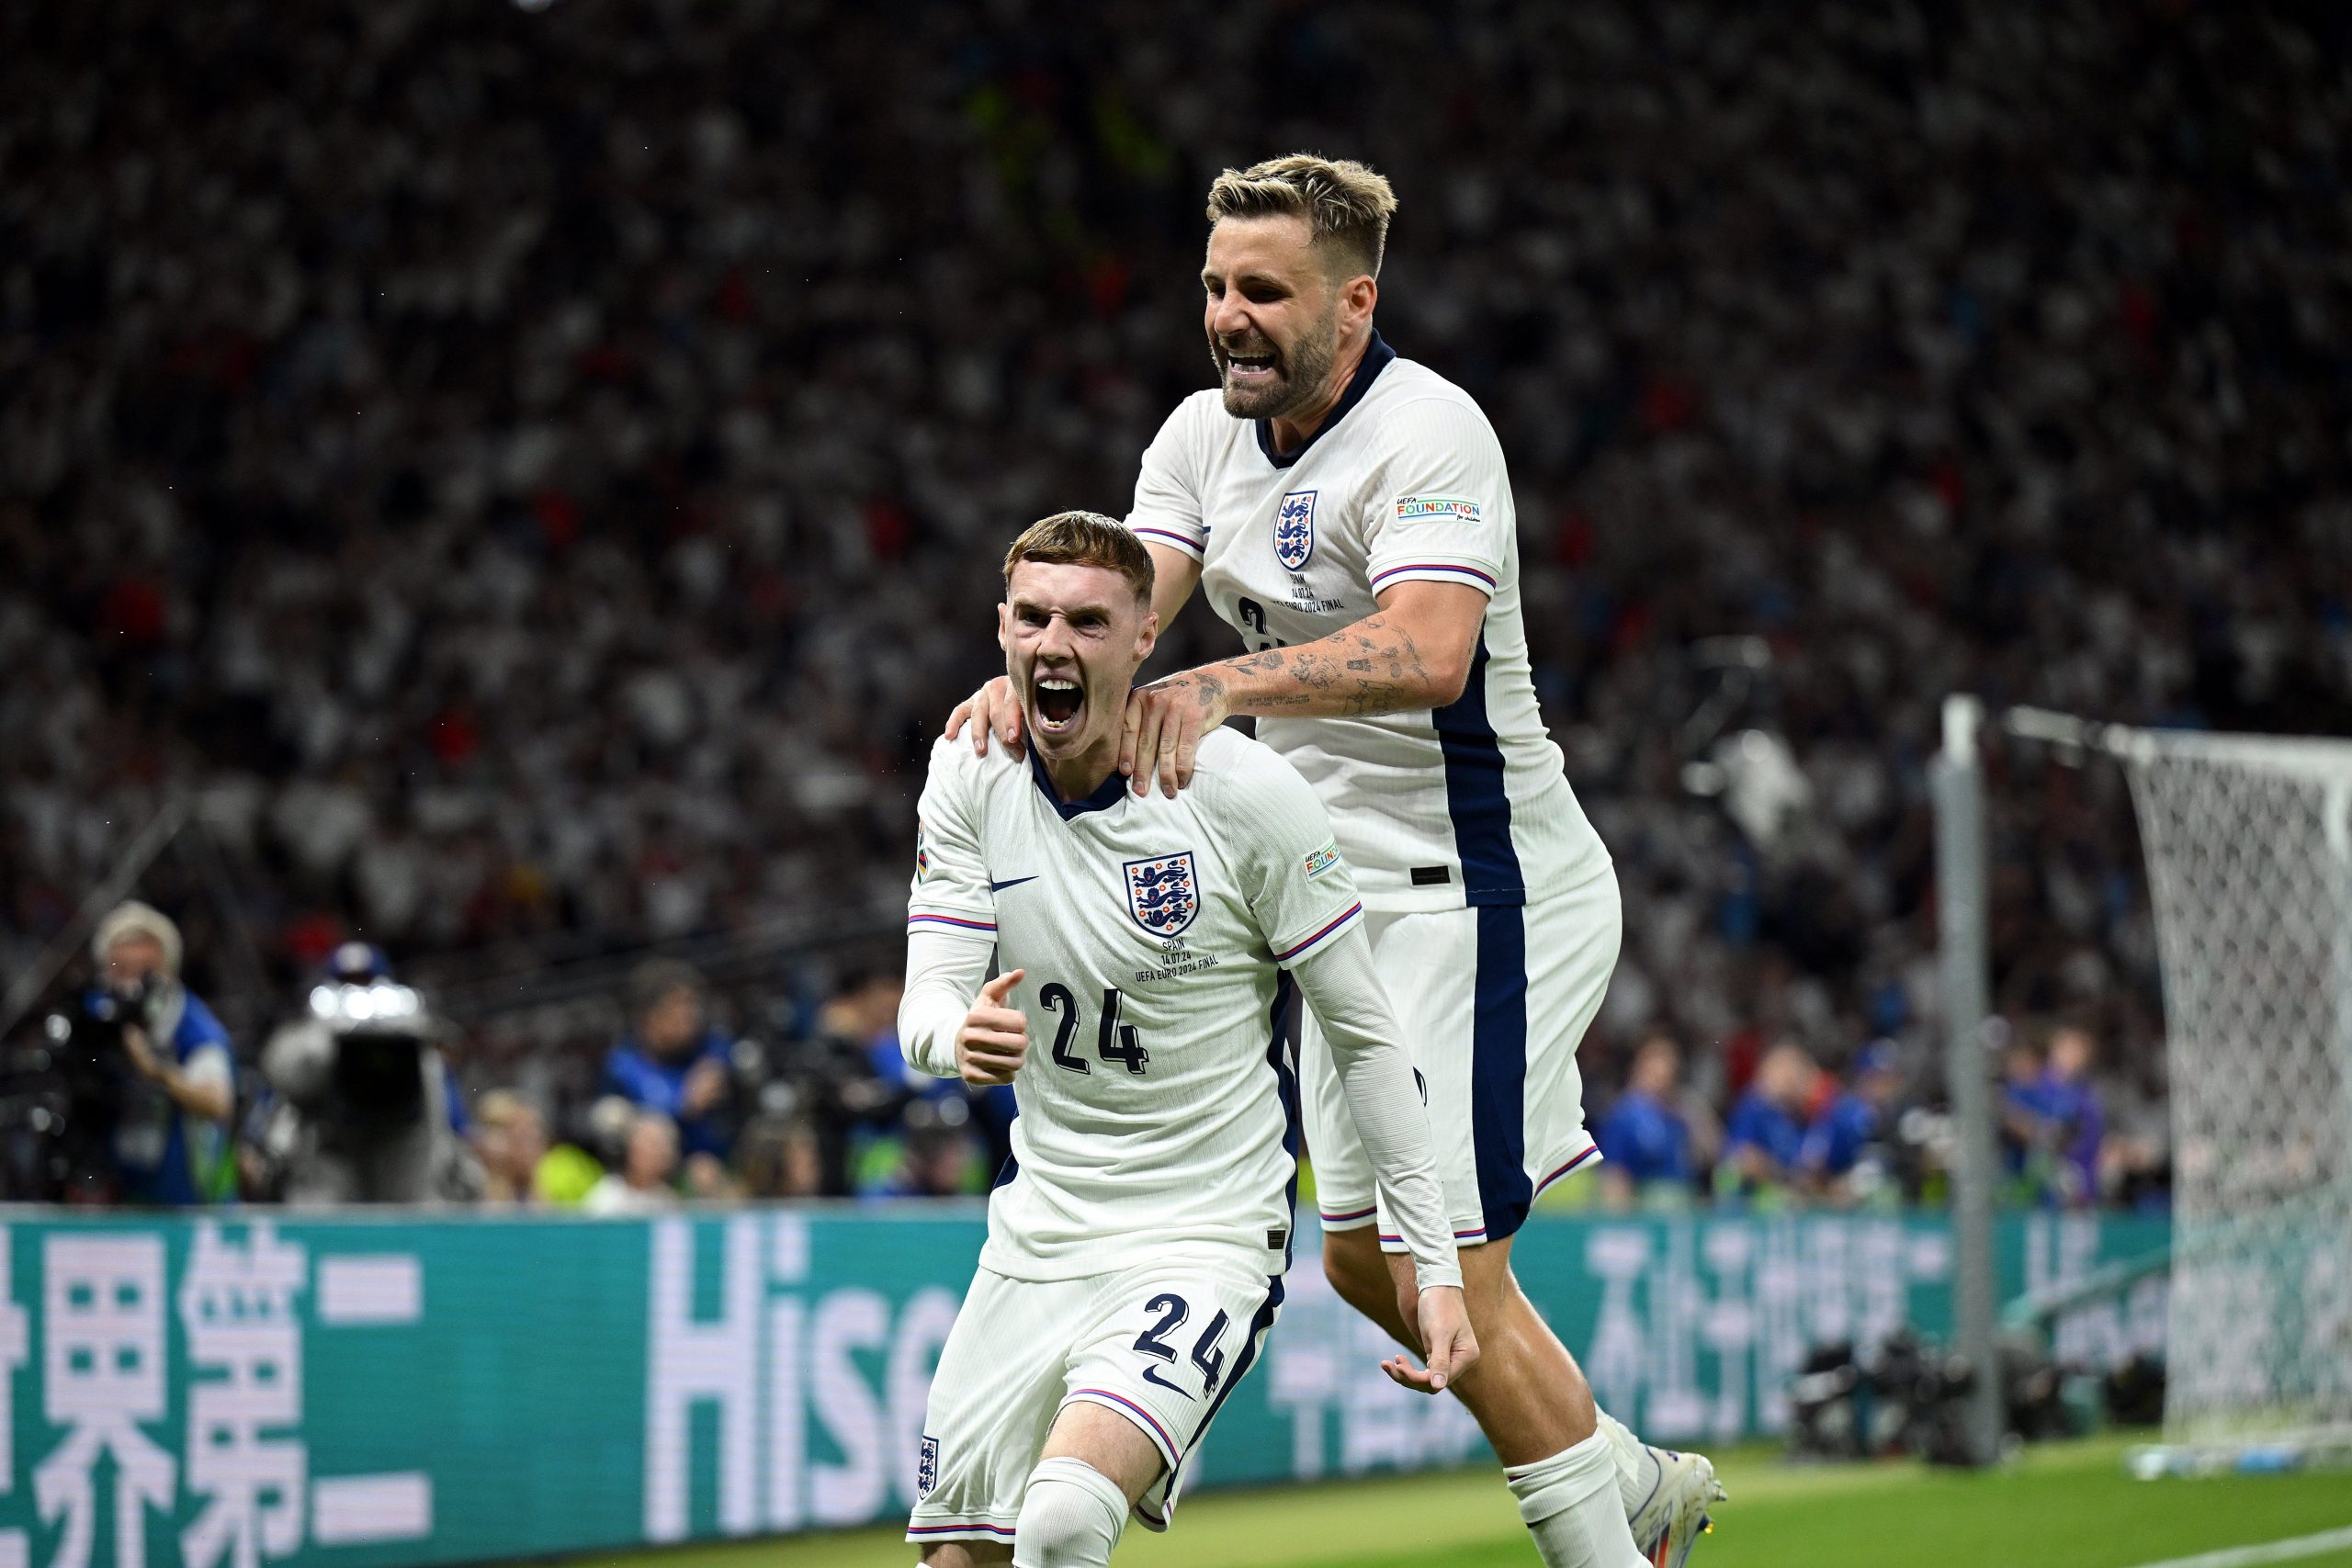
[2248, 844]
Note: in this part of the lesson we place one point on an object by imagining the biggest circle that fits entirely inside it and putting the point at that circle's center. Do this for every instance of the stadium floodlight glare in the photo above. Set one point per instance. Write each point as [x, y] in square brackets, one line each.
[2249, 842]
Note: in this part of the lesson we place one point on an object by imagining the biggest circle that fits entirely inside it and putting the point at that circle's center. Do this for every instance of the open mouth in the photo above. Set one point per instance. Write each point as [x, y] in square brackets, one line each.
[1257, 365]
[1059, 702]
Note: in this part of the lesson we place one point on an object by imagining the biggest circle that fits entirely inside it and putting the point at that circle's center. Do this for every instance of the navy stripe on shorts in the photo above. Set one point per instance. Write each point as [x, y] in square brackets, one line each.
[1494, 885]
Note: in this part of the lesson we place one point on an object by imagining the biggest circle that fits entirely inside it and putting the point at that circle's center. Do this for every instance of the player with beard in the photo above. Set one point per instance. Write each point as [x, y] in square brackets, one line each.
[1348, 511]
[1137, 1240]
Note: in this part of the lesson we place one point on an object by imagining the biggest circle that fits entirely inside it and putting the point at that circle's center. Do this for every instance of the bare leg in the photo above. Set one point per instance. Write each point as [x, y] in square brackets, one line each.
[1526, 1391]
[967, 1554]
[1109, 1442]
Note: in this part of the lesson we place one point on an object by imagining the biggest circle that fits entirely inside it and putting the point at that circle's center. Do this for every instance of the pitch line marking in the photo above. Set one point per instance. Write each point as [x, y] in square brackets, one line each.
[2269, 1552]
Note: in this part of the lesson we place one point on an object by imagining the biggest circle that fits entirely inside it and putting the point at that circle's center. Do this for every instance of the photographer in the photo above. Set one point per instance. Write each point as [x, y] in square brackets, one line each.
[675, 1063]
[365, 1111]
[175, 1074]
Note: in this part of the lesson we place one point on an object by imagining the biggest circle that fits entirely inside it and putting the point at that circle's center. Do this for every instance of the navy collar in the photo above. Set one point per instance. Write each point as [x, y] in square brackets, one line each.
[1377, 356]
[1109, 793]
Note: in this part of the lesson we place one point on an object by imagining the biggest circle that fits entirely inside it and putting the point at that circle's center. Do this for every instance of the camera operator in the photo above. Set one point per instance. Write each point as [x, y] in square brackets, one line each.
[365, 1113]
[675, 1062]
[174, 1073]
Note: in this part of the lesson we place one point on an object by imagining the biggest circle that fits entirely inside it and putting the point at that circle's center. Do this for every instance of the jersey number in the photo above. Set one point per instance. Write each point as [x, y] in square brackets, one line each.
[1114, 1041]
[1253, 615]
[1173, 1310]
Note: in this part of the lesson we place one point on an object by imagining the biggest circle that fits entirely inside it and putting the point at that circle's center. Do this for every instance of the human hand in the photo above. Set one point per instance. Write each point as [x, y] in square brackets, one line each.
[994, 709]
[136, 1045]
[994, 1040]
[706, 1082]
[1164, 725]
[1447, 1342]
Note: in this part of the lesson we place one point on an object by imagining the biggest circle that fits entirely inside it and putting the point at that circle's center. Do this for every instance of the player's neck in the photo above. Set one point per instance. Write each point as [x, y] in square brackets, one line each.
[1293, 430]
[1078, 776]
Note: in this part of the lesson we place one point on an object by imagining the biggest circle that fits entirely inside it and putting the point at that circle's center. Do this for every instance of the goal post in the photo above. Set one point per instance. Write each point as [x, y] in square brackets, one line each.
[1956, 779]
[2248, 846]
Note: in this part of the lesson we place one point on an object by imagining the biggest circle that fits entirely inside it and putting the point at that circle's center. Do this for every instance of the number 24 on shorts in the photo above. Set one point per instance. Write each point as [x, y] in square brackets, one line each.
[1173, 1310]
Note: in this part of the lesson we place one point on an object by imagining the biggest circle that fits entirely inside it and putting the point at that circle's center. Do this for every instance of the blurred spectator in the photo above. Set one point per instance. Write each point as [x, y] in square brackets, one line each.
[864, 1012]
[916, 1134]
[935, 1153]
[1646, 1147]
[512, 1141]
[673, 1062]
[1764, 1138]
[1846, 1153]
[2021, 1127]
[781, 1157]
[171, 1119]
[648, 1164]
[2064, 1119]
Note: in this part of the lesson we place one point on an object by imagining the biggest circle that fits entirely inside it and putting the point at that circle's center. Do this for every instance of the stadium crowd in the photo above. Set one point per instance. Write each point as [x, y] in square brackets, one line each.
[526, 478]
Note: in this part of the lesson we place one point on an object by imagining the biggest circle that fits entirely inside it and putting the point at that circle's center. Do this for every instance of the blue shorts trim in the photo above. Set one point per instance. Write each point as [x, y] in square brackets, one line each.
[1498, 1070]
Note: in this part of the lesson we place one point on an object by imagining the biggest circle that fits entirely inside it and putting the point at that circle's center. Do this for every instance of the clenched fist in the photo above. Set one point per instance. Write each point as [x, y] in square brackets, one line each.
[994, 1040]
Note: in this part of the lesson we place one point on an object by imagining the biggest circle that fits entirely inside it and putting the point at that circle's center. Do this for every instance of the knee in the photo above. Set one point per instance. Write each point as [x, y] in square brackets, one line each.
[1070, 1517]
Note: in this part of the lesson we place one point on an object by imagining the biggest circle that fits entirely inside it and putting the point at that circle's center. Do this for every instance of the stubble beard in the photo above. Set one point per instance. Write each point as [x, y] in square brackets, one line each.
[1304, 368]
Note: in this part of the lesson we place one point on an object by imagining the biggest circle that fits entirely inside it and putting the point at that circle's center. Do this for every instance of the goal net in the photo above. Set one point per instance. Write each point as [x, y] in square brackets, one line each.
[2249, 850]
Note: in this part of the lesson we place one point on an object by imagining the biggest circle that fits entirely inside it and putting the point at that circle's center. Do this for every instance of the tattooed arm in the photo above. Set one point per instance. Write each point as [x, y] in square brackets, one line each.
[1413, 652]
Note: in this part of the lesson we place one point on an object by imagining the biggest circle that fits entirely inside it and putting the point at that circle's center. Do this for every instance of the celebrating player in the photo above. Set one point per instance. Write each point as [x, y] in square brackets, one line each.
[1138, 1242]
[1349, 513]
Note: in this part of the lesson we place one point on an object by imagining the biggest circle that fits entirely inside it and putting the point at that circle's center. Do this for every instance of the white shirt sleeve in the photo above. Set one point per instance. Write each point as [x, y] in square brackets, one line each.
[950, 917]
[210, 1065]
[1383, 1098]
[1168, 503]
[1305, 898]
[944, 974]
[1444, 512]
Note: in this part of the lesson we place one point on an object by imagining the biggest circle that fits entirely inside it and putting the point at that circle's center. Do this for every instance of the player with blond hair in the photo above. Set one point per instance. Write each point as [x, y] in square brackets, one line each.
[1348, 511]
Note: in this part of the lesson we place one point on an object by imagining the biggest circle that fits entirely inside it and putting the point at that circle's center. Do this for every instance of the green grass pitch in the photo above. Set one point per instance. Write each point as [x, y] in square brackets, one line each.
[2066, 1505]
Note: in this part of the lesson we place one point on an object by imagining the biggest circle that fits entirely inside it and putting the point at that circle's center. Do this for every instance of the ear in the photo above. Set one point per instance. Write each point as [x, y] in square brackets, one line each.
[1358, 295]
[1146, 637]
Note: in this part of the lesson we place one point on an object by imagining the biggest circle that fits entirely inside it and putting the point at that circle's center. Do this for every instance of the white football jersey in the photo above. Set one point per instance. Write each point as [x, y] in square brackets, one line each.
[1467, 804]
[1160, 1097]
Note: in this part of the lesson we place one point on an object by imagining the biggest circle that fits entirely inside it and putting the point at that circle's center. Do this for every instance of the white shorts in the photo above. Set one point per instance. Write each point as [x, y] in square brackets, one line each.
[1162, 1344]
[1493, 1003]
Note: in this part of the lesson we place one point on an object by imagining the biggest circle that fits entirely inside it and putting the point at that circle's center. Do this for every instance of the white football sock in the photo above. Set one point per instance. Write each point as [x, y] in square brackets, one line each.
[1070, 1517]
[1572, 1507]
[1638, 1472]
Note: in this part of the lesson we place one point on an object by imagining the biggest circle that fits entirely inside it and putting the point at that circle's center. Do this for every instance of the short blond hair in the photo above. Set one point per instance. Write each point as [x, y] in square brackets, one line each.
[1345, 204]
[1083, 539]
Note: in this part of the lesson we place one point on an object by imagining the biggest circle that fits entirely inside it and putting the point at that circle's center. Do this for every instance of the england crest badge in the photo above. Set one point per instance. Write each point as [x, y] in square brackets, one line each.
[1295, 529]
[1162, 893]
